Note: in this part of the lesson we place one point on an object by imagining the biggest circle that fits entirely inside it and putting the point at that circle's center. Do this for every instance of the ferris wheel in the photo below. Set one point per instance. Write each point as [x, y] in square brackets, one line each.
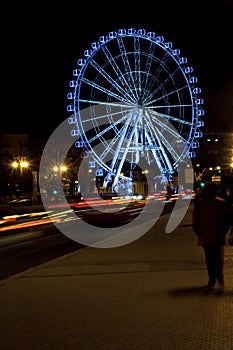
[134, 96]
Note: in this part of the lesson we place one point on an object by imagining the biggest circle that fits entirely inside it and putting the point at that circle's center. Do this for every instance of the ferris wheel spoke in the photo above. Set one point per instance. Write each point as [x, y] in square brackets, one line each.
[121, 77]
[153, 108]
[137, 56]
[175, 92]
[113, 82]
[104, 90]
[107, 116]
[159, 152]
[164, 144]
[159, 140]
[115, 144]
[155, 114]
[122, 158]
[120, 152]
[160, 83]
[126, 63]
[110, 147]
[162, 67]
[106, 130]
[171, 131]
[110, 104]
[149, 59]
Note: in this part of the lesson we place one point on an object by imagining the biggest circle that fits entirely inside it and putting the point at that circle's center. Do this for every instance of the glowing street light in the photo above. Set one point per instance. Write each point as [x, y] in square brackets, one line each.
[231, 164]
[24, 164]
[62, 168]
[58, 172]
[20, 164]
[15, 164]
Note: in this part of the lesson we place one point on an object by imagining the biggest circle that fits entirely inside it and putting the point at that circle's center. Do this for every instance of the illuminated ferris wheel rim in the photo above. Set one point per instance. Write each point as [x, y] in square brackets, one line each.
[125, 79]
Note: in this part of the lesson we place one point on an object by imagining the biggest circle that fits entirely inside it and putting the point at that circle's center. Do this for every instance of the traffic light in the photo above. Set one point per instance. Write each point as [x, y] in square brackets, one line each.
[202, 184]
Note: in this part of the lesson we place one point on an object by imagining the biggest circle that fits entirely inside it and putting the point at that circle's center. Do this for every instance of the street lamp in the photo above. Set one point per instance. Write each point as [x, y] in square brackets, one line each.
[22, 165]
[58, 174]
[231, 164]
[62, 168]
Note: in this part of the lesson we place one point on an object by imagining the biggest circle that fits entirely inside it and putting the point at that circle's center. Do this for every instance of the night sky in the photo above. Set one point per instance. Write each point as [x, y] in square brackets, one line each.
[40, 49]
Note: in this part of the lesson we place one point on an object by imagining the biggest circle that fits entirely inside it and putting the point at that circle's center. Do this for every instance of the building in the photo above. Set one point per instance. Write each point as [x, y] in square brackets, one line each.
[15, 145]
[214, 160]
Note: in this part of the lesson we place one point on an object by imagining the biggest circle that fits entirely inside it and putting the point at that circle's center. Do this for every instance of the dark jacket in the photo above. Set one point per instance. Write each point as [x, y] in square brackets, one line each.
[211, 220]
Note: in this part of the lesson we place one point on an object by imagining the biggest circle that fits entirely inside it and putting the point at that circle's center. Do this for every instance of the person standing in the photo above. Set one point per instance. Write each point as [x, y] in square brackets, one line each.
[211, 222]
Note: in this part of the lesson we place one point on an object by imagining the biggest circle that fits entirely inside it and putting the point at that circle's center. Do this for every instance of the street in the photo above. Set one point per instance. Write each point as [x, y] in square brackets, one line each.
[29, 239]
[144, 295]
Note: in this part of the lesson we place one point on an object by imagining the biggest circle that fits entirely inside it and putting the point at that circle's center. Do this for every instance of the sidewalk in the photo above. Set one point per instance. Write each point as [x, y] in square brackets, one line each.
[147, 295]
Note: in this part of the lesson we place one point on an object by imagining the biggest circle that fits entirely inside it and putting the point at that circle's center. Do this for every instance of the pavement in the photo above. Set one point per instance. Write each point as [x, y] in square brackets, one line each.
[146, 295]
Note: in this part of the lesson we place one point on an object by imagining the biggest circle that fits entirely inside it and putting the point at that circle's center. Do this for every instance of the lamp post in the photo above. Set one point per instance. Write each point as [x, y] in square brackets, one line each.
[22, 165]
[35, 189]
[59, 180]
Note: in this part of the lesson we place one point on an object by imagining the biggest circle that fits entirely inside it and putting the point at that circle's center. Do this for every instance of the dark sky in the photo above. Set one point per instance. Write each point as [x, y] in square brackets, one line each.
[40, 48]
